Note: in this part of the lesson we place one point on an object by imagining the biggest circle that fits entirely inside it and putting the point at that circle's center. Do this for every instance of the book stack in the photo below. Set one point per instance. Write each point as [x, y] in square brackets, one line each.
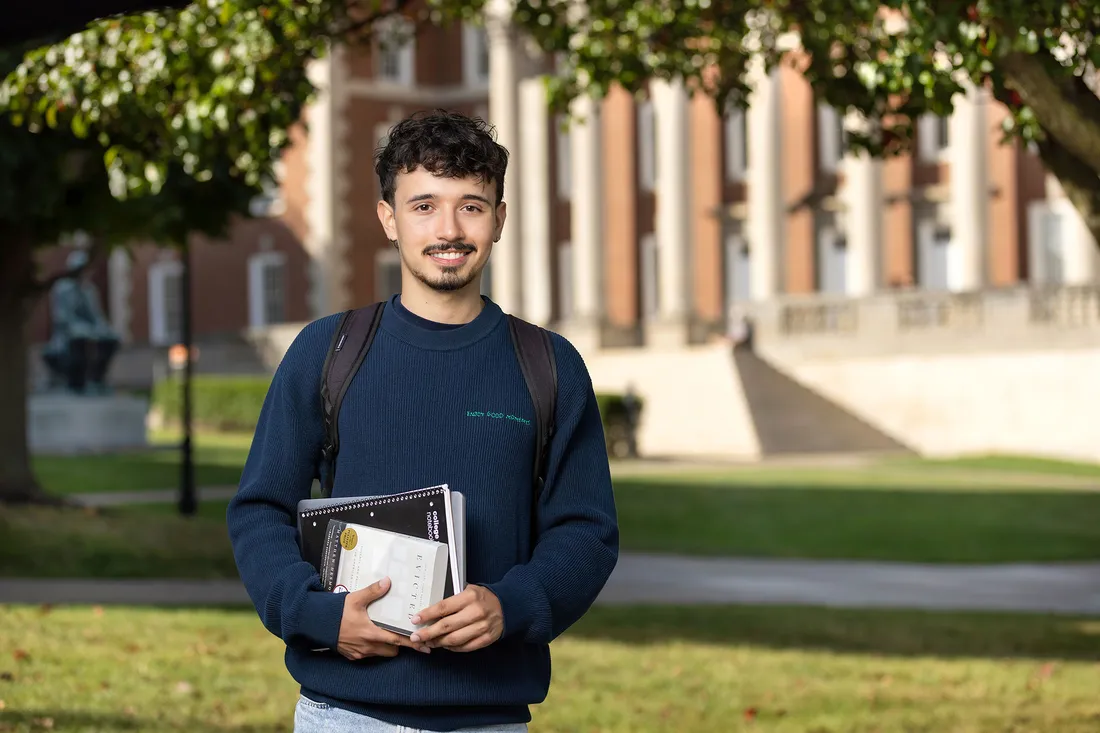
[416, 538]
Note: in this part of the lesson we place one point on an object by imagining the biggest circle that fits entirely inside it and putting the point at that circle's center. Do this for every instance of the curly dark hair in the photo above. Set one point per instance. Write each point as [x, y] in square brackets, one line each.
[445, 144]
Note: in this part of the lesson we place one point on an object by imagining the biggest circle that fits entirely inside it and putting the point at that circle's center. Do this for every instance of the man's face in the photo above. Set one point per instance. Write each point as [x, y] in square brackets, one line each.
[444, 227]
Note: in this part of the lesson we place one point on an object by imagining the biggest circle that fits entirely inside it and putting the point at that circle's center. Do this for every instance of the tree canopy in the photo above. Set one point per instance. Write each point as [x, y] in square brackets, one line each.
[891, 60]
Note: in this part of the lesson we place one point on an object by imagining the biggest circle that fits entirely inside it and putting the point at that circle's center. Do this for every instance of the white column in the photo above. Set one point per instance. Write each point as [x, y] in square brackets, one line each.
[534, 154]
[672, 224]
[586, 222]
[504, 115]
[765, 195]
[968, 132]
[1082, 261]
[326, 186]
[864, 202]
[119, 286]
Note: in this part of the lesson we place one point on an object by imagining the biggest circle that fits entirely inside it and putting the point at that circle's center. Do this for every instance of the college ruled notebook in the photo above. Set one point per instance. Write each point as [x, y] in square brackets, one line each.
[433, 513]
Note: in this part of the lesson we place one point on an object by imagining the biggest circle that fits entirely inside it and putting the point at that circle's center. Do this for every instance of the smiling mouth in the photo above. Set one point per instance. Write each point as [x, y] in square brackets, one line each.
[450, 257]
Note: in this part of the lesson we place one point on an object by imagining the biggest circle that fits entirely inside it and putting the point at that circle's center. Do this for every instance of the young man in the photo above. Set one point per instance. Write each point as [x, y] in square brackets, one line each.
[442, 357]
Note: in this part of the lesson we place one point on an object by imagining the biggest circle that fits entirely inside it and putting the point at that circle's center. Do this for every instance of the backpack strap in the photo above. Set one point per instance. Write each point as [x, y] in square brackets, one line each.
[349, 346]
[537, 362]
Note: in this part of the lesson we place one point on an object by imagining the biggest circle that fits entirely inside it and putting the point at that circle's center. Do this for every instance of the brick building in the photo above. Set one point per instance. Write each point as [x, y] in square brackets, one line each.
[642, 226]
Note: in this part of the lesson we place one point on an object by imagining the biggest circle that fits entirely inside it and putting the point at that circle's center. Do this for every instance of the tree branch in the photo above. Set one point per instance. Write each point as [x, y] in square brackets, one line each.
[1082, 185]
[356, 27]
[1065, 108]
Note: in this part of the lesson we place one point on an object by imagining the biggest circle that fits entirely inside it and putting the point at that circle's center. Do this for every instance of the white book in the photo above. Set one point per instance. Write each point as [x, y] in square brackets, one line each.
[357, 555]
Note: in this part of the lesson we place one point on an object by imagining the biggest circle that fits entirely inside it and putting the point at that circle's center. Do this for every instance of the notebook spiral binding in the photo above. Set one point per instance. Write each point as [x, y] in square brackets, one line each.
[419, 494]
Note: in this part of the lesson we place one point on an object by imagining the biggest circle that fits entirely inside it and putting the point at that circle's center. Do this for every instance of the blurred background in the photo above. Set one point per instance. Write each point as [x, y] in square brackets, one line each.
[834, 274]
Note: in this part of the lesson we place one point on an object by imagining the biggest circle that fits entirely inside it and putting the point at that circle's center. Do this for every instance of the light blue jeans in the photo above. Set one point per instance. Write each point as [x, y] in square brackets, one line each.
[317, 717]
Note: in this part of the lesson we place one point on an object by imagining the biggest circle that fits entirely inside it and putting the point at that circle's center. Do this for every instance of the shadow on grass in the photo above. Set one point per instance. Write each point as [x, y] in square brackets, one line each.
[864, 520]
[78, 721]
[877, 632]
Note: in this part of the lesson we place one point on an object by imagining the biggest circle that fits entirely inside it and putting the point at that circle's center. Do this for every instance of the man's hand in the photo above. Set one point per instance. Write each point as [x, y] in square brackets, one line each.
[359, 637]
[464, 622]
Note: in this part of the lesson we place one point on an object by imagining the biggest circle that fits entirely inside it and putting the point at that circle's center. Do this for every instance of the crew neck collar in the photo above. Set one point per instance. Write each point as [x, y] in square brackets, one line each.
[423, 333]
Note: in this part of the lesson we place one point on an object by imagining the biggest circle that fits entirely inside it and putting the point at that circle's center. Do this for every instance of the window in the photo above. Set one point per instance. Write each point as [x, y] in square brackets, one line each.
[166, 303]
[737, 146]
[832, 261]
[933, 253]
[1048, 243]
[932, 137]
[831, 138]
[387, 274]
[647, 147]
[651, 284]
[266, 289]
[475, 55]
[396, 51]
[565, 281]
[564, 159]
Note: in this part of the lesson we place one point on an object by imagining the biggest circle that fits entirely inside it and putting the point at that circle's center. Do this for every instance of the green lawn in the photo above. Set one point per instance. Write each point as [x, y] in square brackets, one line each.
[218, 461]
[638, 670]
[981, 510]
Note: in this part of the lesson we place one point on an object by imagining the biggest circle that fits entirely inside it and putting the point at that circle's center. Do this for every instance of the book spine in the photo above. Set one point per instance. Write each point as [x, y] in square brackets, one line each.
[330, 558]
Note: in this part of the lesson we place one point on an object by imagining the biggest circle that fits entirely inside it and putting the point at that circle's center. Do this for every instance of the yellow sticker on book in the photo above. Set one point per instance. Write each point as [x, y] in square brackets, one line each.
[348, 538]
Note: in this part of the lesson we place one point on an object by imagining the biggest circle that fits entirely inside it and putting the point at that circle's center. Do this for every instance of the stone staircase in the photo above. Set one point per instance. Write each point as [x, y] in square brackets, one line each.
[790, 419]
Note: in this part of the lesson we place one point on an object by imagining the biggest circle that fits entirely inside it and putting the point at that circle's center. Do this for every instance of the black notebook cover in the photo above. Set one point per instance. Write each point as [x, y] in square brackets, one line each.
[420, 513]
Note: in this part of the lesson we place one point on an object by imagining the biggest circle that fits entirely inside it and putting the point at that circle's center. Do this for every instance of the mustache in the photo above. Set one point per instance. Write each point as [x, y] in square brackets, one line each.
[449, 247]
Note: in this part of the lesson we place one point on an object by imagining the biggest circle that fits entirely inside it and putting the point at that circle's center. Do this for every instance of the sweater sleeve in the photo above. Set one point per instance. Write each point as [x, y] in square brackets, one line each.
[262, 516]
[578, 538]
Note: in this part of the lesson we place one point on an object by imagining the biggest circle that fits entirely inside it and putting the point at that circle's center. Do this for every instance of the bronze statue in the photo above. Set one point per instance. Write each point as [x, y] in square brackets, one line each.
[82, 342]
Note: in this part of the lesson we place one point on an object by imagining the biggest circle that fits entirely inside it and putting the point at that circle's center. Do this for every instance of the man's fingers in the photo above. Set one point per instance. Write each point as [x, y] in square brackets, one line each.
[444, 608]
[382, 636]
[462, 636]
[372, 592]
[447, 624]
[473, 645]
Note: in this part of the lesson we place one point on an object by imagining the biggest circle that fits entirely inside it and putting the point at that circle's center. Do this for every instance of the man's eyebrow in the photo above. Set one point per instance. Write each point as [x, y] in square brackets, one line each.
[431, 196]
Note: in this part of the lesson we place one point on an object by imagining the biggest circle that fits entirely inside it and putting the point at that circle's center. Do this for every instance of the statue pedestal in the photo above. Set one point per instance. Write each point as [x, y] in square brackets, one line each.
[70, 424]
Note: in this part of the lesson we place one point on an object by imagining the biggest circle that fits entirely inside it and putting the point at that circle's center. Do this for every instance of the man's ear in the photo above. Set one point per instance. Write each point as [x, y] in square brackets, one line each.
[502, 214]
[386, 217]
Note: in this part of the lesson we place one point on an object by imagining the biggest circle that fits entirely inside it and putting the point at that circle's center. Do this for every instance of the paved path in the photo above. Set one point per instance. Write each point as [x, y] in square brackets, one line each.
[1062, 588]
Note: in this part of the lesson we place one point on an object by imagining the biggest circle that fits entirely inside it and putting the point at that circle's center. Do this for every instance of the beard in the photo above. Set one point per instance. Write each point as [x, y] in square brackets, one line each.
[447, 279]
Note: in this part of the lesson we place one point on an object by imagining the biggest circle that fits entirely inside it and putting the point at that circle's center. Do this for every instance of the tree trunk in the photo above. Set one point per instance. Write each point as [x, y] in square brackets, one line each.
[17, 481]
[1081, 183]
[1068, 110]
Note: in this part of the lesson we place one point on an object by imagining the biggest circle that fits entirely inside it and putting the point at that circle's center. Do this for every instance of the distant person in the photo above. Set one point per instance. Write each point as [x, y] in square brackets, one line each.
[415, 417]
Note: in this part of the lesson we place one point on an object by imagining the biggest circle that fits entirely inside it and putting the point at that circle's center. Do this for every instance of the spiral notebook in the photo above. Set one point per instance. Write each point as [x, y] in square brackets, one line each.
[434, 513]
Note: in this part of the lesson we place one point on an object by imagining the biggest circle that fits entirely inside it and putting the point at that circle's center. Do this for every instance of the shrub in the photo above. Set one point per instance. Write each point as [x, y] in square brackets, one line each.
[222, 402]
[218, 402]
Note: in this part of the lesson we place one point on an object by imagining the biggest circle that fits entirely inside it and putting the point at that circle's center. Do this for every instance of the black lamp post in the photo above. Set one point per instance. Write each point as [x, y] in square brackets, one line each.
[188, 502]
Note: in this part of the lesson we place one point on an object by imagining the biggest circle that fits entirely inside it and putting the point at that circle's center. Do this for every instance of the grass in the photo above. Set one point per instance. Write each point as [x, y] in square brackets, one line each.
[879, 513]
[218, 461]
[866, 516]
[986, 509]
[642, 670]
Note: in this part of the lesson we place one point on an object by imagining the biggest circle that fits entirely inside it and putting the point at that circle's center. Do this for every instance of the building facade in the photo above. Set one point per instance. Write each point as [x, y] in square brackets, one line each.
[644, 223]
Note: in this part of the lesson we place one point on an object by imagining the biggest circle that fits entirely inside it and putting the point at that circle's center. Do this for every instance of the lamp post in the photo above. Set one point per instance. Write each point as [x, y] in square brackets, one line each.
[187, 502]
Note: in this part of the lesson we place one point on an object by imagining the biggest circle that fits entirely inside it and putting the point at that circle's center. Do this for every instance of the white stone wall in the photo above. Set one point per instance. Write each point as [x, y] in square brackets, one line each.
[1024, 402]
[694, 405]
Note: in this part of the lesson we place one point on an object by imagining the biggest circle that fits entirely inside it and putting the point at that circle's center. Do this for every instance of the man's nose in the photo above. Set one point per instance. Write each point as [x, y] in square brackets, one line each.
[449, 228]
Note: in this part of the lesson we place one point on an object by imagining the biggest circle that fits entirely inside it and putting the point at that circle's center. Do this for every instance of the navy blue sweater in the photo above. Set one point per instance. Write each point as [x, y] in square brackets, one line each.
[429, 406]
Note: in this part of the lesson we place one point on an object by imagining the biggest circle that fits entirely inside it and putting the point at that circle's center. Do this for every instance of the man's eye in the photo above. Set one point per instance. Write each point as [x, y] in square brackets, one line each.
[422, 207]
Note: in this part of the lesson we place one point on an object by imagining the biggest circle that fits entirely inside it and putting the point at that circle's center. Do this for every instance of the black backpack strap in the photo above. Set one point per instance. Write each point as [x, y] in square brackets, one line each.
[540, 370]
[349, 346]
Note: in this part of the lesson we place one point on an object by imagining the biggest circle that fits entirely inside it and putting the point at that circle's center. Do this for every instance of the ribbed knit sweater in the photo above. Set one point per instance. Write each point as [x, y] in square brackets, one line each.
[432, 404]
